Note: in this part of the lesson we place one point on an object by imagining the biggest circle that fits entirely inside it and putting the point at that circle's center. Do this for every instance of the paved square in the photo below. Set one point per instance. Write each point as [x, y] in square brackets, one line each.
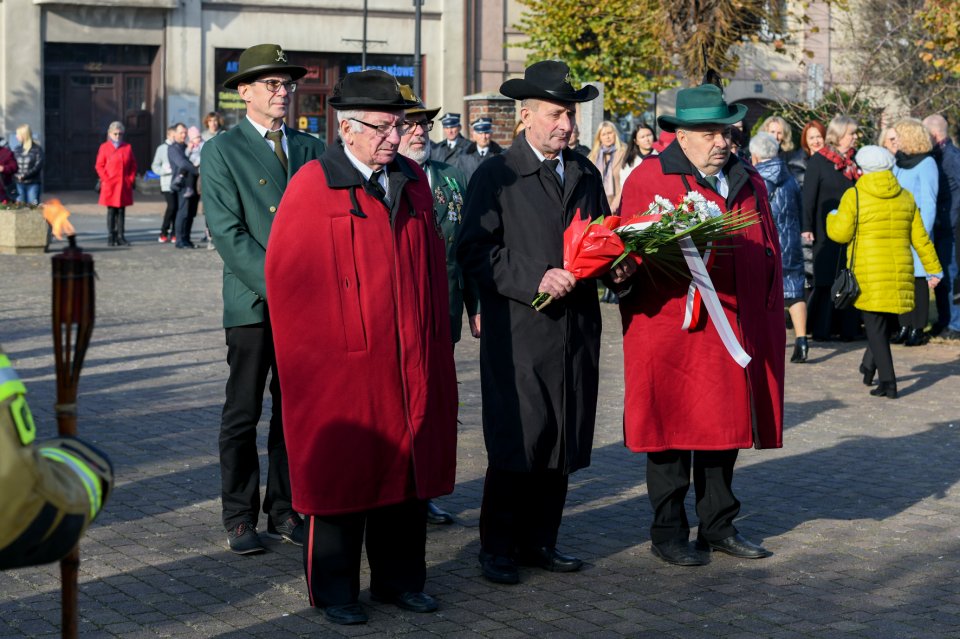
[861, 506]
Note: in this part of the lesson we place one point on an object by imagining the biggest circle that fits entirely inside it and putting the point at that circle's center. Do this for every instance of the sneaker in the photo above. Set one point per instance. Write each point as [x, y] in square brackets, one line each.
[244, 540]
[173, 239]
[163, 239]
[290, 529]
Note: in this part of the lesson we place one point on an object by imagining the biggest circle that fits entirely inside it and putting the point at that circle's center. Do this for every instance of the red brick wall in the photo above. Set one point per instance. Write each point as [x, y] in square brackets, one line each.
[502, 111]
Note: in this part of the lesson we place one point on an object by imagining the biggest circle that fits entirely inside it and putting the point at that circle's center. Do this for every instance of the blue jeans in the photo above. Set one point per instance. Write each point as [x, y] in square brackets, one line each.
[29, 193]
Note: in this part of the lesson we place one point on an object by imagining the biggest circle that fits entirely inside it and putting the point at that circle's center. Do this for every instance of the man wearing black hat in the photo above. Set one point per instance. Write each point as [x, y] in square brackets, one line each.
[706, 406]
[356, 277]
[538, 370]
[245, 172]
[480, 149]
[453, 143]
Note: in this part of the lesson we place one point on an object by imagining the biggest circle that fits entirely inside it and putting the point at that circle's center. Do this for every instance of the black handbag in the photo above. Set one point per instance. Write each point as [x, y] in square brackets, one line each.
[845, 289]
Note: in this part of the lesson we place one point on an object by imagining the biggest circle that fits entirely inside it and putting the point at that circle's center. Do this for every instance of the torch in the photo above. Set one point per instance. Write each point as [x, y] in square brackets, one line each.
[73, 315]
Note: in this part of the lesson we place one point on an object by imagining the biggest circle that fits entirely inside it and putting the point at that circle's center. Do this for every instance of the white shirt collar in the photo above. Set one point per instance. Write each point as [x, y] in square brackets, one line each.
[365, 170]
[723, 187]
[542, 157]
[262, 130]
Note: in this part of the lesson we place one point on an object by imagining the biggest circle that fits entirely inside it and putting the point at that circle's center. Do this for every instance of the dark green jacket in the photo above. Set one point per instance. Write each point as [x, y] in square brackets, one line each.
[242, 183]
[449, 186]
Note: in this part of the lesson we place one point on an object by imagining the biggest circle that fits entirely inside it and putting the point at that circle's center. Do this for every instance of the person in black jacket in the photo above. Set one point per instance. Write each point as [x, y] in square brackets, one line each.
[480, 149]
[184, 182]
[29, 166]
[830, 172]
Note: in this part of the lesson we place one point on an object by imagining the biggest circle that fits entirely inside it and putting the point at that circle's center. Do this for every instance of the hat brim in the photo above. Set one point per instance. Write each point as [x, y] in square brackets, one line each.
[430, 113]
[345, 104]
[296, 72]
[671, 123]
[522, 89]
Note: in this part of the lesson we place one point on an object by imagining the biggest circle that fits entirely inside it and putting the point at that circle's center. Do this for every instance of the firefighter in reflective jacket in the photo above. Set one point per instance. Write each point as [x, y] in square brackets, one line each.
[50, 491]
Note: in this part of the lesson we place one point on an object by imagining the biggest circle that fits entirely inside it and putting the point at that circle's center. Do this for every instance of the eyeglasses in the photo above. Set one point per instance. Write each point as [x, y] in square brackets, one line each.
[384, 130]
[412, 124]
[274, 85]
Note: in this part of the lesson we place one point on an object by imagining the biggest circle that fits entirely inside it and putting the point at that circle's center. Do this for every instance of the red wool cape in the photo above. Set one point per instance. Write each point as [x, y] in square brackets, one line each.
[683, 390]
[360, 324]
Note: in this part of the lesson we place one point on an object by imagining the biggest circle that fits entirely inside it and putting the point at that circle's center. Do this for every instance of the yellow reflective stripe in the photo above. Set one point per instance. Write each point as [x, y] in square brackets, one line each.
[10, 383]
[90, 480]
[23, 420]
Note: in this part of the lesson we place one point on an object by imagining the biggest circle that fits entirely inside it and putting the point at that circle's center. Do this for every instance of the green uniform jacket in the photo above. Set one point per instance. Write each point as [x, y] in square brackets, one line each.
[243, 182]
[448, 186]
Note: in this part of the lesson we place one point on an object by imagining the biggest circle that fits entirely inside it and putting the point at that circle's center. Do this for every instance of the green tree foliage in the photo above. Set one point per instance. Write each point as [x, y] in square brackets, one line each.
[941, 44]
[616, 42]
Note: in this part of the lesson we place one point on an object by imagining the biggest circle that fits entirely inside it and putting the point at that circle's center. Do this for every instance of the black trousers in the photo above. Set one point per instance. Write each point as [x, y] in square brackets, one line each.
[170, 213]
[877, 356]
[186, 211]
[396, 538]
[521, 510]
[250, 358]
[917, 318]
[668, 480]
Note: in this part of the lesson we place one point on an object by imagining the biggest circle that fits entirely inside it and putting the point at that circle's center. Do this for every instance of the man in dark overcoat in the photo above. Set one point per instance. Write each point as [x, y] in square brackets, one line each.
[453, 144]
[356, 278]
[245, 172]
[480, 149]
[539, 370]
[688, 405]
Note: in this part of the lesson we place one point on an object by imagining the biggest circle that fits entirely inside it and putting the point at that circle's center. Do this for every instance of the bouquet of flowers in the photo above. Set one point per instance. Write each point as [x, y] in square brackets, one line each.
[590, 249]
[656, 234]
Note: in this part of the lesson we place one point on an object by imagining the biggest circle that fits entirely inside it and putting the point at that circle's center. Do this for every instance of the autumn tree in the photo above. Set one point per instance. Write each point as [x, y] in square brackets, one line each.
[703, 34]
[610, 41]
[941, 42]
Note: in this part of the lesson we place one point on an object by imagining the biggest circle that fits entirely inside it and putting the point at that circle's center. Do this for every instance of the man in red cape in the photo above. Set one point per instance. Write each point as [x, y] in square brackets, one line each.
[687, 401]
[356, 278]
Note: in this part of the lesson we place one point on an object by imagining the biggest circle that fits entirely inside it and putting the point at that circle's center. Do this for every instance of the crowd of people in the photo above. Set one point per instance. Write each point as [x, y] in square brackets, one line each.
[395, 237]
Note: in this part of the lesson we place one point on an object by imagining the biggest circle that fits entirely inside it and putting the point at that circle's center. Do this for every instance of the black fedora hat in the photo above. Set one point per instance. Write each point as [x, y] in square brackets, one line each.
[262, 59]
[370, 89]
[547, 80]
[701, 105]
[407, 92]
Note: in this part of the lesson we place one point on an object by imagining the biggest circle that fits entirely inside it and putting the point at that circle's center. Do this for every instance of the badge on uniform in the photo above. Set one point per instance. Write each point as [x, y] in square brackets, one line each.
[439, 196]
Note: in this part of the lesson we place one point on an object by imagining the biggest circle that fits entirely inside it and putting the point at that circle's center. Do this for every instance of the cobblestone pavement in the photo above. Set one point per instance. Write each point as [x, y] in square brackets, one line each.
[861, 507]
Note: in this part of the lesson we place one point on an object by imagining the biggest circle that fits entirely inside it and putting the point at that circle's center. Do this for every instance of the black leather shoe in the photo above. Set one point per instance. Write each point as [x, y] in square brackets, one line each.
[244, 540]
[412, 601]
[499, 569]
[346, 614]
[800, 350]
[915, 338]
[736, 546]
[885, 389]
[550, 559]
[867, 375]
[290, 529]
[679, 552]
[437, 515]
[900, 335]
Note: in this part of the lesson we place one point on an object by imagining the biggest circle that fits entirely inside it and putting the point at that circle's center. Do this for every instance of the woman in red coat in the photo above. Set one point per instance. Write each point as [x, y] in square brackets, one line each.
[117, 170]
[688, 404]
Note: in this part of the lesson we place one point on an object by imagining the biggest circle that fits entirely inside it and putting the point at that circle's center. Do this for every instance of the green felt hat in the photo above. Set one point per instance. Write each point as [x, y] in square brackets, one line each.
[260, 60]
[407, 92]
[701, 105]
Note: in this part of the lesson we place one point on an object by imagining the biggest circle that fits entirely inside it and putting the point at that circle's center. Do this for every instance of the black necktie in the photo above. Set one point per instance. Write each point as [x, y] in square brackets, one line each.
[551, 167]
[713, 181]
[374, 187]
[277, 138]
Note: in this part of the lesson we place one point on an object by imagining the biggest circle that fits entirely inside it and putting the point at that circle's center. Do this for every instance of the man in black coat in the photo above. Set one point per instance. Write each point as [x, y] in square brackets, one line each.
[453, 143]
[480, 149]
[945, 227]
[538, 370]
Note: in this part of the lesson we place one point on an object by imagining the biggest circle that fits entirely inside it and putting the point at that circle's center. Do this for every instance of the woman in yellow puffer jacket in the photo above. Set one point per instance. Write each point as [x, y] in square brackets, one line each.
[887, 222]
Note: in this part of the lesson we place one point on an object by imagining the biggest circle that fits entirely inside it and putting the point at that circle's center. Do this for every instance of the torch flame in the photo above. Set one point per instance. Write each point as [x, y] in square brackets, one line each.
[56, 214]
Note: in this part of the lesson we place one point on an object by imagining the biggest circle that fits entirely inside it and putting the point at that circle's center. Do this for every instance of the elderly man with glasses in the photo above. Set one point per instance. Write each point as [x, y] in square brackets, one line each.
[245, 172]
[356, 278]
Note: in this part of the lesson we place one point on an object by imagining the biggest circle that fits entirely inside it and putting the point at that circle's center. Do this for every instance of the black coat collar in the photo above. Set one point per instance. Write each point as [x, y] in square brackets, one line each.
[674, 162]
[341, 174]
[493, 149]
[523, 160]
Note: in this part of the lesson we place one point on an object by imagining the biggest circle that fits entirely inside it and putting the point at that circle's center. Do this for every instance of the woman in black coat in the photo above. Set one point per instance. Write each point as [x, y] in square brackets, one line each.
[830, 172]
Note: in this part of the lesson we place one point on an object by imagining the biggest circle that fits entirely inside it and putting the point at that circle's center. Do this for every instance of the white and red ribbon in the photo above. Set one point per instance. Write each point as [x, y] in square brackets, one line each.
[702, 288]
